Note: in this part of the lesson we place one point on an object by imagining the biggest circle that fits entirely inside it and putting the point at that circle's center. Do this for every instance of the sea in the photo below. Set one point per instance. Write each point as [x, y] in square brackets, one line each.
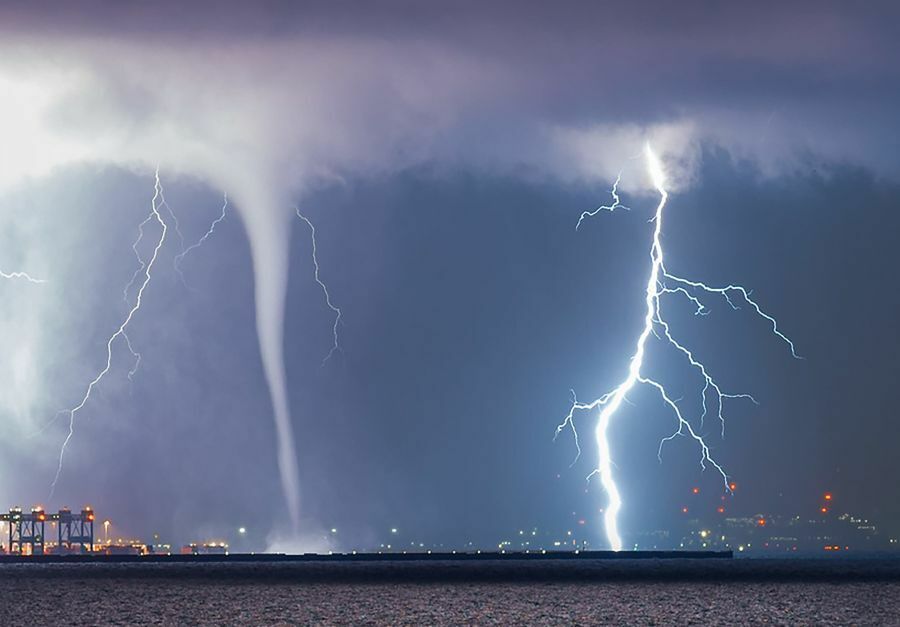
[588, 592]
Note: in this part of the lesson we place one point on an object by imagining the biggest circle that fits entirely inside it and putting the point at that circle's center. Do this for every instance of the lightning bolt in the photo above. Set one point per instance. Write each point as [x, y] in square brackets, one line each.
[212, 227]
[177, 227]
[336, 346]
[146, 267]
[142, 267]
[21, 275]
[177, 262]
[135, 354]
[137, 254]
[660, 282]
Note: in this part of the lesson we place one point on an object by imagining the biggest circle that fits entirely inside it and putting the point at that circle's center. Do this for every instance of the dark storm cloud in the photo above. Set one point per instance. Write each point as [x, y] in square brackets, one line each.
[808, 69]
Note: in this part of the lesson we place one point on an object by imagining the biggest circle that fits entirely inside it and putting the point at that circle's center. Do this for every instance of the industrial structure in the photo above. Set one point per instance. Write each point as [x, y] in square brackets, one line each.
[26, 530]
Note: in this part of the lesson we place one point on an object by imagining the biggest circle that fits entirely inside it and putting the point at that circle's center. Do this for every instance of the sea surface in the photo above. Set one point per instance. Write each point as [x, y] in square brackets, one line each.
[619, 592]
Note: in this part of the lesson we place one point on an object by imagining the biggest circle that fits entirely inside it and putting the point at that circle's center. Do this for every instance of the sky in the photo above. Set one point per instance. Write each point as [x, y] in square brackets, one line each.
[444, 153]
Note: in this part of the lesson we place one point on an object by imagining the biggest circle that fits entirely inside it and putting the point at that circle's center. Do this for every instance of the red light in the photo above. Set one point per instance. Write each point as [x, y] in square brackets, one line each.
[828, 496]
[761, 522]
[90, 517]
[732, 486]
[696, 490]
[720, 509]
[824, 510]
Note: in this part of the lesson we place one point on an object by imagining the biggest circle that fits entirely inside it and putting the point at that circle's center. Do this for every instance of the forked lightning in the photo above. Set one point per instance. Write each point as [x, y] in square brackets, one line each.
[660, 282]
[146, 269]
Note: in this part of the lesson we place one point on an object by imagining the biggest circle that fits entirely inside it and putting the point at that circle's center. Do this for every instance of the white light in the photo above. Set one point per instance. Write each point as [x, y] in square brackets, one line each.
[655, 168]
[242, 531]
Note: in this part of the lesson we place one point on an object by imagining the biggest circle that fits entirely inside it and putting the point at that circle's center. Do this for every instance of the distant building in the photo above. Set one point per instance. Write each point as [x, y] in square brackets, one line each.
[159, 549]
[207, 548]
[124, 549]
[767, 533]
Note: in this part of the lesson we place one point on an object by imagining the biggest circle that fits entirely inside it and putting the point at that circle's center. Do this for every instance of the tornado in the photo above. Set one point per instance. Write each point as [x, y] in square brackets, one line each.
[267, 219]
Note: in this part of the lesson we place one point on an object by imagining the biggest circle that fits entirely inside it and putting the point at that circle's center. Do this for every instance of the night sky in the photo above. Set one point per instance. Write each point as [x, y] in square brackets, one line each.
[445, 155]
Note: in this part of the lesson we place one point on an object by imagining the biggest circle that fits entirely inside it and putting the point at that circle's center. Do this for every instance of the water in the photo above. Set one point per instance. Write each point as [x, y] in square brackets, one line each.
[740, 591]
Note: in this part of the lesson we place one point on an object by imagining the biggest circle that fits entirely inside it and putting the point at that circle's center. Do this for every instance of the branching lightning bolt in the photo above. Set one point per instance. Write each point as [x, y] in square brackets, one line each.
[336, 346]
[212, 227]
[177, 262]
[146, 268]
[617, 204]
[659, 283]
[142, 267]
[177, 227]
[162, 203]
[137, 254]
